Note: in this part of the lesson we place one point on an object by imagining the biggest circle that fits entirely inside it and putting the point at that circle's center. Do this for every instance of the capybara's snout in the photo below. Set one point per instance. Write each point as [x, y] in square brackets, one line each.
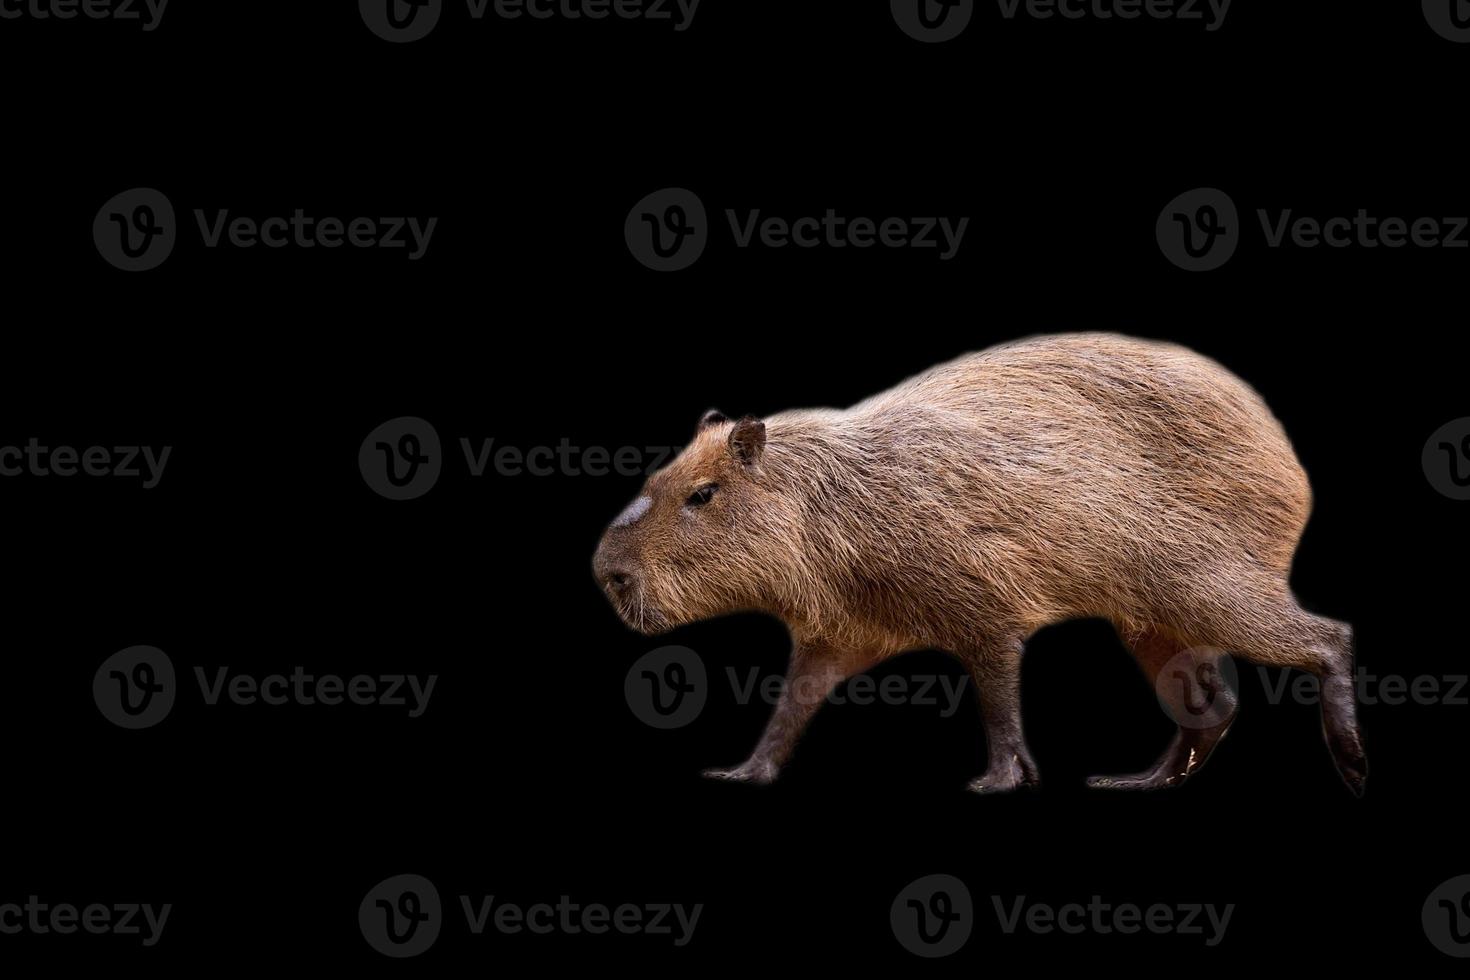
[612, 568]
[616, 567]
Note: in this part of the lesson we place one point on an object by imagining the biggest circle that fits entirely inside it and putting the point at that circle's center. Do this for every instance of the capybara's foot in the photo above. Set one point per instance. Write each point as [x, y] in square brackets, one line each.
[751, 771]
[1184, 756]
[1352, 765]
[1154, 779]
[1340, 723]
[1013, 774]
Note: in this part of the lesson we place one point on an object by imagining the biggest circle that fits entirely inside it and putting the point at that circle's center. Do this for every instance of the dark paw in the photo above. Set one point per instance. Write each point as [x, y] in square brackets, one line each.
[989, 784]
[1142, 780]
[1355, 777]
[1352, 764]
[1004, 780]
[760, 773]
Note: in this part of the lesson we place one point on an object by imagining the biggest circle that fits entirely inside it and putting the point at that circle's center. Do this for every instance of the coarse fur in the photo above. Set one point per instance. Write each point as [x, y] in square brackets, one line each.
[1053, 478]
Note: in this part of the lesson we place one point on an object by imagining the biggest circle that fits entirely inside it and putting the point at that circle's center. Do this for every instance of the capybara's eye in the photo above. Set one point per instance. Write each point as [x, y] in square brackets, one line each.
[701, 496]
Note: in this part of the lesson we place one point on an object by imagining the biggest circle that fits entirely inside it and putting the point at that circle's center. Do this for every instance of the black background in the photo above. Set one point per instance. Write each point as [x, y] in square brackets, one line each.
[528, 321]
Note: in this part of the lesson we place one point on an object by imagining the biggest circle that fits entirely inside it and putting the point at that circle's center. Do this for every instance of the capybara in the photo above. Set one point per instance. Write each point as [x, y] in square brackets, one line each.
[1053, 478]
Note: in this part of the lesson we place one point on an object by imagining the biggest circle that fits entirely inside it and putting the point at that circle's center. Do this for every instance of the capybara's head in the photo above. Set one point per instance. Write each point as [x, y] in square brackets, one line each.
[707, 535]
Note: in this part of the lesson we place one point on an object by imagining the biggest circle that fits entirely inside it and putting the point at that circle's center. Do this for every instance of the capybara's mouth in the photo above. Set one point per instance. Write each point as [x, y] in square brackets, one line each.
[639, 615]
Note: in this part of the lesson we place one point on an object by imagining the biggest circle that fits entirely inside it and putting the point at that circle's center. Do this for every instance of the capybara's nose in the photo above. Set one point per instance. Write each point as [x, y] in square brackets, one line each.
[610, 573]
[618, 581]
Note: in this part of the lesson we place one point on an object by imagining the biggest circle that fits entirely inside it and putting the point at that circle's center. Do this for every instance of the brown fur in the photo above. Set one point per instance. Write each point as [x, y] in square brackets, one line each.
[1053, 478]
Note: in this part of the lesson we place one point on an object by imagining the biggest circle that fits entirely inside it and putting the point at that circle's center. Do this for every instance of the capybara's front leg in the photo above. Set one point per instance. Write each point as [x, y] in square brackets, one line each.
[996, 672]
[815, 670]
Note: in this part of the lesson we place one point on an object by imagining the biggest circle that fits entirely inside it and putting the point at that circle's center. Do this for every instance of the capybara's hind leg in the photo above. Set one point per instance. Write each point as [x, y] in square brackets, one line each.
[1340, 709]
[996, 671]
[1325, 649]
[1192, 691]
[1277, 632]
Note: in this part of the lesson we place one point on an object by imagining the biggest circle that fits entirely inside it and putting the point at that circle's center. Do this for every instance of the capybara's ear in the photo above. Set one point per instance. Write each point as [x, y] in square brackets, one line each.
[748, 440]
[713, 417]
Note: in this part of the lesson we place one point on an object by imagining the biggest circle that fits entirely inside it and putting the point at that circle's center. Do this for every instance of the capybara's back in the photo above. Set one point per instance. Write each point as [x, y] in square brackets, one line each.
[1048, 479]
[1126, 470]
